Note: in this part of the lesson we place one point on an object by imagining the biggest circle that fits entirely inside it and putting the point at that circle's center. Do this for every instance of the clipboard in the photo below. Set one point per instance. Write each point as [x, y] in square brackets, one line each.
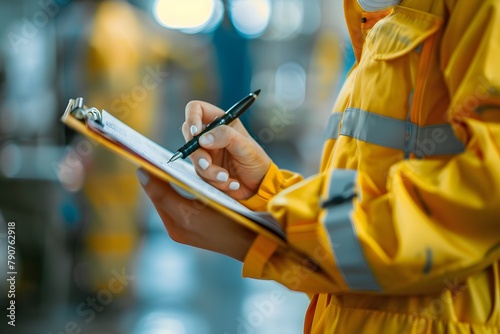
[105, 129]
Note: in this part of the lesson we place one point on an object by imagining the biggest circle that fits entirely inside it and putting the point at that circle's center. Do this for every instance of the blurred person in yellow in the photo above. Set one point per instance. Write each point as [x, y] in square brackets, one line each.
[401, 225]
[124, 73]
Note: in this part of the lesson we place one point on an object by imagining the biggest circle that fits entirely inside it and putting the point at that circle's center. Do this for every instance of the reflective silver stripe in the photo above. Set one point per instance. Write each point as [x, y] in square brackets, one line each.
[399, 134]
[332, 129]
[373, 128]
[347, 250]
[376, 5]
[436, 140]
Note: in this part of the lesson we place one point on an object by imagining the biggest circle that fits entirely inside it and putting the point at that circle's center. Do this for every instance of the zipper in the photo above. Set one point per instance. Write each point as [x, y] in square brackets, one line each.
[417, 98]
[425, 62]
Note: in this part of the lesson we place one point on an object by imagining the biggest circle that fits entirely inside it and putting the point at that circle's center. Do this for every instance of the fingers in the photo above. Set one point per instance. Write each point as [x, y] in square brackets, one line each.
[189, 224]
[222, 137]
[175, 211]
[156, 190]
[219, 178]
[224, 150]
[228, 138]
[165, 196]
[157, 193]
[182, 192]
[198, 113]
[214, 174]
[210, 172]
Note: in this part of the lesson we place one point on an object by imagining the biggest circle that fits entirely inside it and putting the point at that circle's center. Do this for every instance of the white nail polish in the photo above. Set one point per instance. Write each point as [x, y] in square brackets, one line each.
[182, 192]
[207, 139]
[142, 176]
[193, 130]
[234, 185]
[222, 176]
[203, 163]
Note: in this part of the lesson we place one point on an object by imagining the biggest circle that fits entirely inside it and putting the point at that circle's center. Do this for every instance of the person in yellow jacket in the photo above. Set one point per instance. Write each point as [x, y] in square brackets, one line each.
[401, 224]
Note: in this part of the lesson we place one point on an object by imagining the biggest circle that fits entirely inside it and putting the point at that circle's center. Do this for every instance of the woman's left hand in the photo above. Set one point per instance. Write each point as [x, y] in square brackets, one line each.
[193, 223]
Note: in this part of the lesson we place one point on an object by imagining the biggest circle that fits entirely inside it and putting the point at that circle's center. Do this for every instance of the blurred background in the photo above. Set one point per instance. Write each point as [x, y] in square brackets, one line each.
[91, 254]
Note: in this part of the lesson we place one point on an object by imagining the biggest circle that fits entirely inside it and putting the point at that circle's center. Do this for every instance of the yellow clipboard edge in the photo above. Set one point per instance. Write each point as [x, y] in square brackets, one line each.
[82, 128]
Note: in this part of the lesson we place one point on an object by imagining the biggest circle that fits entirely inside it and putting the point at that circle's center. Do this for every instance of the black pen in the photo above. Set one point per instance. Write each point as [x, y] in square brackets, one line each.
[230, 115]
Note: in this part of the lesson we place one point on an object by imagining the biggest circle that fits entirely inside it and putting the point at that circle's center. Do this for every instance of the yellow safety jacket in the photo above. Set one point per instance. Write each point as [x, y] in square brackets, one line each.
[403, 218]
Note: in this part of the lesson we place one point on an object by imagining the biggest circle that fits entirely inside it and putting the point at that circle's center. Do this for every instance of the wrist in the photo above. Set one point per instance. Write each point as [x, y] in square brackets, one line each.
[269, 186]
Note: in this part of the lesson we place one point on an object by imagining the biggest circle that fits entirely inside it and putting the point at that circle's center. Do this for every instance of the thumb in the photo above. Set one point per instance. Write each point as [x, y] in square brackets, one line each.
[162, 193]
[154, 189]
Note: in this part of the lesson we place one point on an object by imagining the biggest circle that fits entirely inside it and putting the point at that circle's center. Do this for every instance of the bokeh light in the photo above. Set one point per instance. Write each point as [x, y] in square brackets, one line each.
[290, 85]
[212, 23]
[311, 17]
[10, 159]
[175, 14]
[286, 19]
[250, 17]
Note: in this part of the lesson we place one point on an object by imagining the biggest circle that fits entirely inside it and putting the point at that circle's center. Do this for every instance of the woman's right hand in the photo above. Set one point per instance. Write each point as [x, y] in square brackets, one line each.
[229, 158]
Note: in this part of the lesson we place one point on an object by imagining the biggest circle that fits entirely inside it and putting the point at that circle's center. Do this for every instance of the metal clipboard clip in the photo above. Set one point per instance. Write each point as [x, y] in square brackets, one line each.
[77, 108]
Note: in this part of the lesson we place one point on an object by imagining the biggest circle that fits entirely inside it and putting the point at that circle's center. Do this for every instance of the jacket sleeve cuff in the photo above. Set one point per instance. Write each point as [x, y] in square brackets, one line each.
[257, 256]
[274, 181]
[268, 188]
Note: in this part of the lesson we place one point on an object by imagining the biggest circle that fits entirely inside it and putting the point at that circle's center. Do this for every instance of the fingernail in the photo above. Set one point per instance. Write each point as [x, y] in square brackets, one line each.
[222, 176]
[142, 176]
[182, 192]
[234, 185]
[203, 163]
[207, 139]
[193, 130]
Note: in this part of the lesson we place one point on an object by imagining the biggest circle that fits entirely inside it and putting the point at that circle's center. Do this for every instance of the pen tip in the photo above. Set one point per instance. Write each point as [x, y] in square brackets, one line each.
[176, 156]
[256, 93]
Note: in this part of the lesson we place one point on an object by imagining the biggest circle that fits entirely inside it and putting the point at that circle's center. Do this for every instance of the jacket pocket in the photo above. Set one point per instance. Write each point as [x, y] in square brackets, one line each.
[400, 32]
